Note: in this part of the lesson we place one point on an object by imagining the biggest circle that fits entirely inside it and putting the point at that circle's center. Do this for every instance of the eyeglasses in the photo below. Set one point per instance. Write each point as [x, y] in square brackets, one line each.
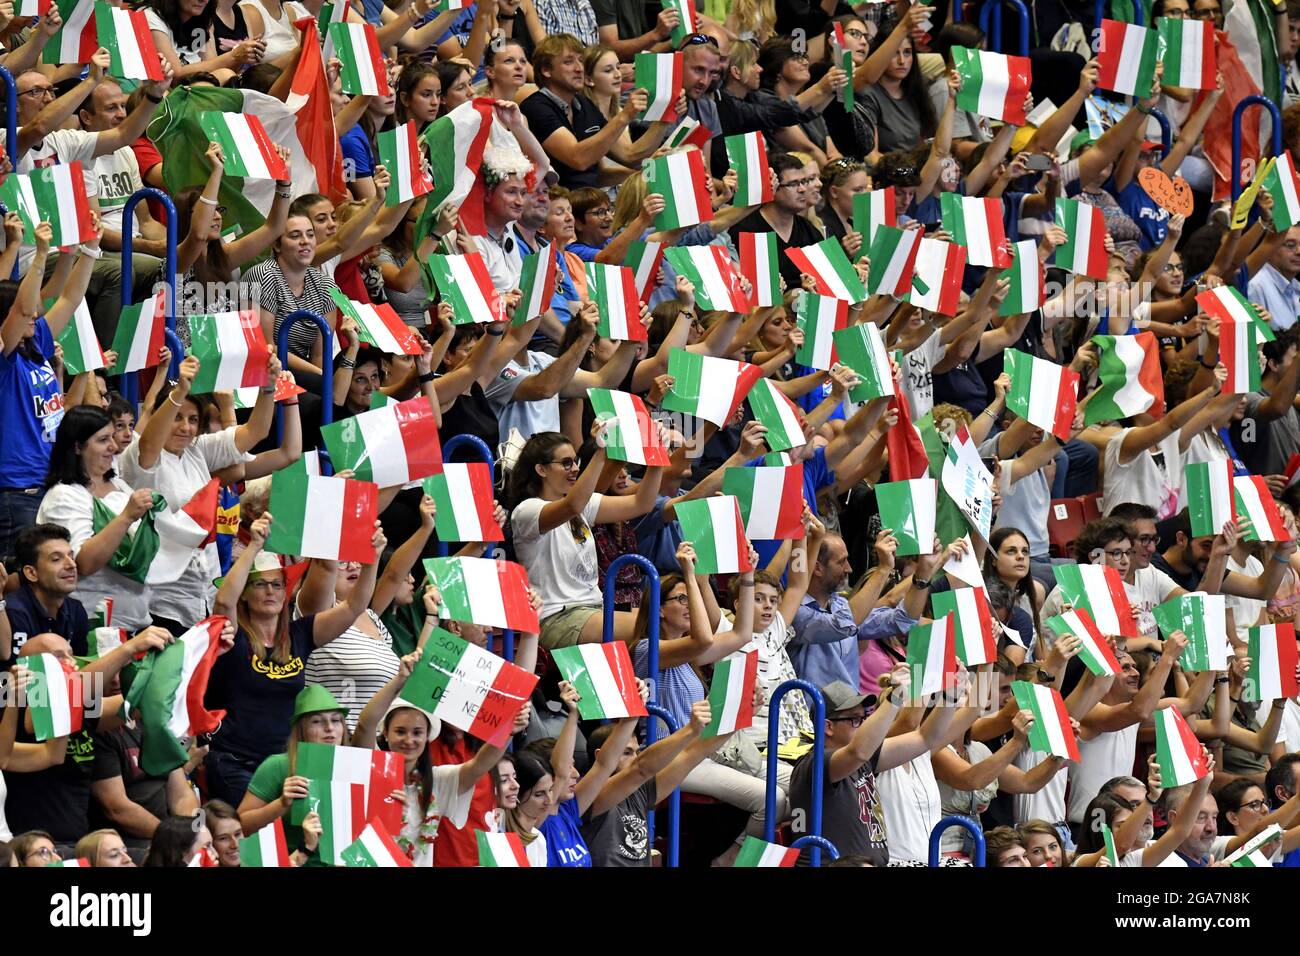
[1117, 554]
[1176, 14]
[38, 91]
[1172, 267]
[855, 721]
[267, 585]
[1259, 806]
[682, 599]
[856, 33]
[605, 212]
[697, 39]
[221, 210]
[798, 183]
[44, 853]
[1147, 540]
[1291, 245]
[568, 464]
[1206, 14]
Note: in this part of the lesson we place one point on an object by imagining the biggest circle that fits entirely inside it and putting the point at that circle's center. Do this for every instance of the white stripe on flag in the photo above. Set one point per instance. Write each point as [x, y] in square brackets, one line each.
[56, 689]
[629, 427]
[773, 855]
[717, 388]
[822, 266]
[722, 515]
[1270, 675]
[765, 509]
[979, 243]
[995, 82]
[385, 449]
[67, 205]
[1044, 386]
[375, 847]
[383, 336]
[466, 696]
[612, 282]
[502, 853]
[1192, 51]
[340, 817]
[602, 679]
[483, 585]
[681, 188]
[1130, 58]
[1082, 236]
[266, 846]
[366, 75]
[755, 170]
[1242, 355]
[1133, 394]
[247, 147]
[715, 289]
[127, 47]
[1047, 714]
[464, 511]
[234, 351]
[664, 92]
[322, 525]
[822, 322]
[402, 147]
[932, 679]
[196, 646]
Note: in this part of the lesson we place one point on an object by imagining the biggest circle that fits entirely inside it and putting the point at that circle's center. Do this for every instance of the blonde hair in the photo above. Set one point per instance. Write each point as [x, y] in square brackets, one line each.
[811, 212]
[743, 56]
[754, 16]
[88, 846]
[627, 203]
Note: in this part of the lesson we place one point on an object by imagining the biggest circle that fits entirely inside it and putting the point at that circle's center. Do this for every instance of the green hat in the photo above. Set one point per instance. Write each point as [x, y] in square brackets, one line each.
[1080, 140]
[315, 699]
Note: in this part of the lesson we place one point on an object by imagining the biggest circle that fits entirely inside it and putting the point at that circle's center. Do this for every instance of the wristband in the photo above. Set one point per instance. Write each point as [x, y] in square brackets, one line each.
[347, 363]
[1210, 367]
[1221, 680]
[1147, 797]
[1235, 700]
[151, 98]
[497, 334]
[173, 401]
[90, 253]
[1281, 558]
[426, 377]
[293, 404]
[1044, 678]
[920, 582]
[205, 199]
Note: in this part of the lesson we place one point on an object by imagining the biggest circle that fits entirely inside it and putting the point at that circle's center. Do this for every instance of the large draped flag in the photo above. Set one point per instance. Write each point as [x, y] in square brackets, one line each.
[159, 548]
[1131, 379]
[707, 387]
[310, 104]
[389, 446]
[992, 85]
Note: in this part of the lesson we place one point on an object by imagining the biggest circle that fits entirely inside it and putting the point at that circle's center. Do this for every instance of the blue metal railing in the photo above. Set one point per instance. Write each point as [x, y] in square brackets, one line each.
[131, 381]
[326, 378]
[675, 798]
[818, 769]
[1166, 133]
[817, 842]
[649, 572]
[178, 352]
[993, 37]
[1264, 103]
[969, 825]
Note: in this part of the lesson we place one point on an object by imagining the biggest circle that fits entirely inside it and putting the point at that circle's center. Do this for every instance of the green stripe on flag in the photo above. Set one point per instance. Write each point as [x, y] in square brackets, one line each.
[137, 550]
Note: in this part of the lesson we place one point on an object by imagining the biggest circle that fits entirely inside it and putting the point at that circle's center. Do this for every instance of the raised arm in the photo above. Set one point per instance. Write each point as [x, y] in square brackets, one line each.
[333, 622]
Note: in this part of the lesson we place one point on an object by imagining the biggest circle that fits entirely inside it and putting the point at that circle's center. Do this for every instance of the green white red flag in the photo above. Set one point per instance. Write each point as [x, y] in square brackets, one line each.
[1051, 732]
[967, 481]
[463, 494]
[1272, 652]
[992, 85]
[318, 516]
[464, 281]
[843, 58]
[689, 132]
[830, 268]
[379, 325]
[126, 36]
[1127, 58]
[603, 676]
[731, 693]
[758, 264]
[362, 777]
[972, 621]
[77, 40]
[246, 146]
[684, 183]
[1042, 392]
[1210, 499]
[748, 157]
[500, 849]
[690, 20]
[58, 196]
[483, 591]
[1249, 853]
[756, 852]
[284, 389]
[820, 317]
[1096, 652]
[1187, 51]
[455, 143]
[893, 258]
[1227, 304]
[707, 387]
[1028, 280]
[389, 446]
[779, 414]
[537, 285]
[871, 210]
[80, 861]
[468, 687]
[266, 847]
[231, 350]
[713, 525]
[375, 847]
[139, 337]
[632, 435]
[1203, 619]
[54, 697]
[908, 508]
[1283, 185]
[644, 259]
[1254, 502]
[399, 151]
[932, 657]
[1084, 250]
[862, 349]
[81, 349]
[660, 75]
[710, 270]
[1131, 380]
[936, 279]
[1239, 353]
[976, 223]
[357, 47]
[159, 549]
[770, 499]
[1178, 753]
[613, 289]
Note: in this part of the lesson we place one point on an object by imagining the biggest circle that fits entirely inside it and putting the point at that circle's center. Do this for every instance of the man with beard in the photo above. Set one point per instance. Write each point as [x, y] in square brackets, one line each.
[47, 574]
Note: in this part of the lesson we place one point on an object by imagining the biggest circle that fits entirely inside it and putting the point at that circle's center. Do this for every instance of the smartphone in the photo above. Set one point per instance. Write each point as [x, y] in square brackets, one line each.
[991, 464]
[1039, 162]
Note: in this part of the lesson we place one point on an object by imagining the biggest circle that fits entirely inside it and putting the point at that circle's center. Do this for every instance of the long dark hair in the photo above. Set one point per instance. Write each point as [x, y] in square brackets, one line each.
[172, 841]
[213, 265]
[913, 87]
[1025, 586]
[409, 79]
[423, 766]
[529, 771]
[170, 12]
[525, 483]
[79, 423]
[641, 627]
[1106, 806]
[8, 296]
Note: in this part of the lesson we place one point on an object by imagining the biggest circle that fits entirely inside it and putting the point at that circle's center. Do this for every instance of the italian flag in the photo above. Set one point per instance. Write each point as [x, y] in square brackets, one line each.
[932, 657]
[1131, 379]
[973, 622]
[977, 224]
[375, 847]
[758, 264]
[708, 387]
[756, 852]
[1226, 304]
[992, 85]
[843, 58]
[1203, 620]
[456, 142]
[484, 591]
[471, 689]
[1127, 58]
[389, 446]
[1239, 351]
[1272, 652]
[379, 325]
[322, 517]
[713, 525]
[1250, 853]
[330, 13]
[249, 151]
[690, 22]
[463, 494]
[1187, 51]
[1178, 752]
[1042, 392]
[58, 194]
[632, 435]
[710, 270]
[1283, 185]
[830, 269]
[820, 317]
[125, 34]
[1084, 251]
[1028, 280]
[231, 350]
[1211, 501]
[81, 349]
[1098, 591]
[139, 337]
[1109, 839]
[1051, 732]
[399, 151]
[1255, 503]
[537, 285]
[361, 777]
[862, 348]
[660, 75]
[893, 256]
[464, 281]
[684, 183]
[603, 676]
[166, 697]
[871, 210]
[770, 498]
[266, 847]
[77, 39]
[613, 289]
[341, 818]
[79, 861]
[284, 389]
[308, 103]
[54, 697]
[689, 132]
[644, 259]
[160, 547]
[731, 693]
[936, 281]
[500, 849]
[908, 508]
[748, 157]
[32, 8]
[779, 414]
[357, 47]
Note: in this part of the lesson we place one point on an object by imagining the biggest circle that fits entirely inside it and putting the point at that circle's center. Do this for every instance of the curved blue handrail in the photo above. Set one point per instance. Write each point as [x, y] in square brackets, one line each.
[675, 798]
[819, 842]
[131, 382]
[1166, 133]
[969, 825]
[178, 353]
[479, 447]
[993, 37]
[1264, 103]
[651, 573]
[818, 769]
[326, 378]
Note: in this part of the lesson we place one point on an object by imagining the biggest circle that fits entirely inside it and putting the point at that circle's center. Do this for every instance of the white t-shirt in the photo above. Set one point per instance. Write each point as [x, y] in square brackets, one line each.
[536, 850]
[72, 506]
[1290, 732]
[1047, 804]
[1246, 611]
[918, 375]
[909, 796]
[529, 417]
[1152, 477]
[1150, 587]
[563, 569]
[1104, 757]
[117, 176]
[280, 36]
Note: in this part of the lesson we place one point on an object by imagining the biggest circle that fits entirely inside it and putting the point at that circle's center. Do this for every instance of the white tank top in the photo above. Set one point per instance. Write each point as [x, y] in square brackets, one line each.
[909, 796]
[1047, 804]
[280, 36]
[1105, 756]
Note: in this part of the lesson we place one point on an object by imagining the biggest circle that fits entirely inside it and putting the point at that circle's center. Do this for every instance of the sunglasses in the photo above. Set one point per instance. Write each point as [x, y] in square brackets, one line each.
[698, 39]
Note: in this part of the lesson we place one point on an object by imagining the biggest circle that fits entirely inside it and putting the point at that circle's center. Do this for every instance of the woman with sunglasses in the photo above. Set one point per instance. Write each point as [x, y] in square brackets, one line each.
[842, 179]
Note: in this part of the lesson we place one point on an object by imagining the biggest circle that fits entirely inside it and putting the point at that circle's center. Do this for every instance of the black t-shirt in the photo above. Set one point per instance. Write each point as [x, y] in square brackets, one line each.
[839, 123]
[628, 15]
[257, 693]
[27, 618]
[852, 817]
[470, 414]
[56, 799]
[227, 38]
[803, 233]
[545, 116]
[117, 754]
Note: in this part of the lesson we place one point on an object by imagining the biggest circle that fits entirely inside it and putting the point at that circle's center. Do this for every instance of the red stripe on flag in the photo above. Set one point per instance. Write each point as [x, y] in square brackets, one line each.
[1287, 658]
[1097, 242]
[985, 618]
[419, 431]
[1209, 57]
[85, 225]
[387, 772]
[1067, 731]
[1066, 403]
[1002, 258]
[548, 283]
[1187, 739]
[620, 666]
[76, 696]
[789, 524]
[516, 844]
[274, 164]
[746, 379]
[742, 543]
[1150, 376]
[376, 59]
[314, 122]
[144, 42]
[496, 714]
[158, 325]
[768, 193]
[202, 720]
[727, 269]
[471, 209]
[89, 41]
[359, 513]
[1019, 75]
[1228, 353]
[250, 324]
[748, 259]
[636, 330]
[396, 852]
[1108, 59]
[202, 508]
[480, 482]
[745, 713]
[955, 262]
[949, 651]
[700, 185]
[357, 808]
[483, 279]
[679, 60]
[420, 181]
[513, 579]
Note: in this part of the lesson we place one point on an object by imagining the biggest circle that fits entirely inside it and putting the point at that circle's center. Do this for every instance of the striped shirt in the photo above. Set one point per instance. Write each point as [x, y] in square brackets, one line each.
[275, 297]
[569, 16]
[354, 666]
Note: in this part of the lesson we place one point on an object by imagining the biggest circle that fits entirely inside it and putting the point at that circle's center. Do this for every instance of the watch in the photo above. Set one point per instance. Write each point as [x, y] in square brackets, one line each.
[920, 582]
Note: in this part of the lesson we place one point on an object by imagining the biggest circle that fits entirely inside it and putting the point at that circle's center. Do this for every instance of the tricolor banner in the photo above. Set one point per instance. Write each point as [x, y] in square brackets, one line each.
[455, 143]
[684, 183]
[58, 194]
[1051, 732]
[1254, 504]
[464, 281]
[713, 525]
[500, 849]
[781, 416]
[820, 317]
[1187, 51]
[893, 258]
[537, 285]
[468, 687]
[862, 348]
[1084, 250]
[81, 349]
[161, 545]
[462, 492]
[1283, 185]
[483, 591]
[731, 693]
[1127, 58]
[613, 289]
[748, 157]
[400, 154]
[1099, 590]
[77, 39]
[632, 435]
[710, 270]
[126, 36]
[1179, 754]
[389, 446]
[907, 508]
[1226, 304]
[1272, 652]
[362, 778]
[968, 481]
[139, 336]
[266, 847]
[54, 697]
[770, 498]
[1211, 502]
[1239, 353]
[247, 148]
[1203, 620]
[357, 48]
[707, 387]
[977, 224]
[932, 657]
[603, 676]
[936, 277]
[758, 264]
[689, 132]
[660, 75]
[644, 259]
[831, 270]
[871, 210]
[972, 621]
[322, 517]
[284, 389]
[1131, 380]
[375, 847]
[755, 852]
[379, 325]
[992, 85]
[1028, 280]
[231, 350]
[690, 20]
[1042, 392]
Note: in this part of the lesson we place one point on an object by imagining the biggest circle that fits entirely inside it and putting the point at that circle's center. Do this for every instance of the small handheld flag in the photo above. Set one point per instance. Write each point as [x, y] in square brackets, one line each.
[707, 387]
[247, 148]
[992, 84]
[464, 281]
[400, 153]
[748, 157]
[780, 415]
[755, 852]
[770, 498]
[1211, 502]
[126, 36]
[1084, 251]
[357, 47]
[1130, 376]
[932, 657]
[731, 693]
[1202, 618]
[862, 349]
[1042, 392]
[710, 270]
[602, 675]
[375, 847]
[893, 258]
[714, 527]
[379, 325]
[973, 623]
[537, 285]
[483, 591]
[613, 289]
[830, 268]
[1051, 732]
[632, 435]
[1178, 753]
[660, 75]
[322, 517]
[1272, 652]
[1028, 280]
[820, 317]
[1188, 53]
[463, 494]
[684, 183]
[139, 336]
[500, 849]
[389, 446]
[758, 264]
[908, 509]
[871, 210]
[1127, 58]
[977, 224]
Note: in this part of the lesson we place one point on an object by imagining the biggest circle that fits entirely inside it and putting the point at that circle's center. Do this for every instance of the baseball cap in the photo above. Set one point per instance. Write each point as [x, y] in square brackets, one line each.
[1149, 144]
[839, 696]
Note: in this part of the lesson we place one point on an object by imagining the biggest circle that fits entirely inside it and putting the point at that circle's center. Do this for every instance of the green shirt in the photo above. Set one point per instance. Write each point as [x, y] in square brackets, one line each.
[267, 784]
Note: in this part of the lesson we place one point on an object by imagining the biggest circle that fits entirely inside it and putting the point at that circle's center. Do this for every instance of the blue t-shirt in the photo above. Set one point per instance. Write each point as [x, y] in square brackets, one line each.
[1142, 209]
[564, 843]
[357, 157]
[33, 409]
[583, 251]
